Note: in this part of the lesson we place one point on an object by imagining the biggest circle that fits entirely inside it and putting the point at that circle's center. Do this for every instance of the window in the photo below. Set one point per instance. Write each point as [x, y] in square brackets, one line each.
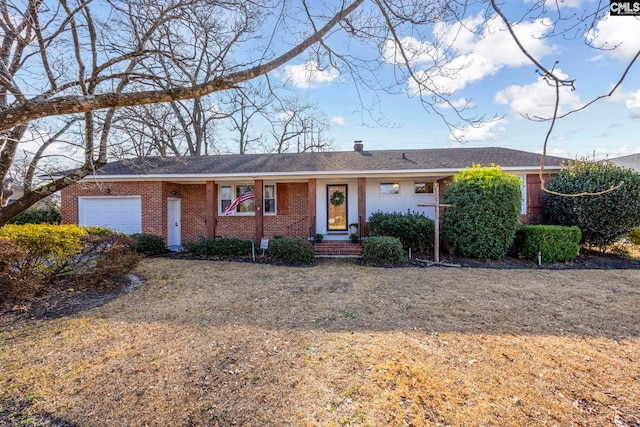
[226, 195]
[389, 188]
[523, 187]
[270, 199]
[248, 205]
[229, 193]
[423, 188]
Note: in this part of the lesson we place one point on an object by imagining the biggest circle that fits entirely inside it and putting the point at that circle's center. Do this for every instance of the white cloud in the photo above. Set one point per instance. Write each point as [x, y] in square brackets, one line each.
[538, 99]
[487, 131]
[309, 75]
[633, 105]
[621, 33]
[339, 120]
[481, 48]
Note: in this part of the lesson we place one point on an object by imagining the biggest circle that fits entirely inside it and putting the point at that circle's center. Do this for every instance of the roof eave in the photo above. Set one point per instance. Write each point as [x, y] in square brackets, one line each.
[303, 174]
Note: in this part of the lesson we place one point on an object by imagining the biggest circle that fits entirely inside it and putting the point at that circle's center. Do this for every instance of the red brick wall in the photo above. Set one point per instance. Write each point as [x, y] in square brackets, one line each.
[297, 212]
[193, 207]
[154, 206]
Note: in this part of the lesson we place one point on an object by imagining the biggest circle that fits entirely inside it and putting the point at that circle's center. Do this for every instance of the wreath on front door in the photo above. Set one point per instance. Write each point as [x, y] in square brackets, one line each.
[337, 198]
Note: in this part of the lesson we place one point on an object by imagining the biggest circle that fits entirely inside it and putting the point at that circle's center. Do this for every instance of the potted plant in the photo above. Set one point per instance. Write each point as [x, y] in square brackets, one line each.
[318, 238]
[354, 238]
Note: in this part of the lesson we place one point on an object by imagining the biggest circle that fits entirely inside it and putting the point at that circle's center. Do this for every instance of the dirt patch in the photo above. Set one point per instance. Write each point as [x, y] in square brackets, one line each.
[221, 343]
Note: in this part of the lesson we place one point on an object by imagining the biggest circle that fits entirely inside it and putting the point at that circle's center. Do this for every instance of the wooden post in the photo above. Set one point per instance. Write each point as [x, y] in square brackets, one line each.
[436, 243]
[437, 205]
[211, 208]
[258, 190]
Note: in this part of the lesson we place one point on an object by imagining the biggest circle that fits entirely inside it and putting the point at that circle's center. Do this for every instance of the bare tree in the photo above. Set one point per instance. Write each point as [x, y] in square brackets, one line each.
[92, 58]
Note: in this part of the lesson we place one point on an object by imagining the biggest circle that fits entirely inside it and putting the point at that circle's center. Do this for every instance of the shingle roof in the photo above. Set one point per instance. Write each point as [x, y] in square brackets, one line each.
[342, 161]
[632, 161]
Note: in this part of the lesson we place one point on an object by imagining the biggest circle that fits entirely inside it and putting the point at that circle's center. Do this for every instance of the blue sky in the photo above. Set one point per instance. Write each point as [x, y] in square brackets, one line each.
[499, 81]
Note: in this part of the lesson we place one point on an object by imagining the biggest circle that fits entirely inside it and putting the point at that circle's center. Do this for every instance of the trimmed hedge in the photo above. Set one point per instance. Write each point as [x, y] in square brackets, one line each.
[604, 218]
[219, 247]
[414, 230]
[485, 212]
[556, 243]
[291, 249]
[383, 250]
[149, 244]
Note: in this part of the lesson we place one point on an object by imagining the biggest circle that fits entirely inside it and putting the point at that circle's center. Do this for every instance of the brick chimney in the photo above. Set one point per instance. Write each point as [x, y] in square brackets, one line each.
[358, 146]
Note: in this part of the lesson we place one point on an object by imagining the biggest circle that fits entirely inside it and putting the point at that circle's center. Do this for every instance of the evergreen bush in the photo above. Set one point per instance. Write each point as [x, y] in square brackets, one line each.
[219, 247]
[149, 244]
[414, 230]
[47, 214]
[485, 212]
[555, 243]
[383, 250]
[604, 218]
[291, 250]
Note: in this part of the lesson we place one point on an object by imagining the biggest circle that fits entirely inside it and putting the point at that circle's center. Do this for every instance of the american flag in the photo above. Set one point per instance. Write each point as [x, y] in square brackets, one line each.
[244, 196]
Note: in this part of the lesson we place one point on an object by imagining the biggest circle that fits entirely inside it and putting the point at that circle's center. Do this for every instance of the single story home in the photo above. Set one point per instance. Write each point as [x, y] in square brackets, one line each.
[297, 194]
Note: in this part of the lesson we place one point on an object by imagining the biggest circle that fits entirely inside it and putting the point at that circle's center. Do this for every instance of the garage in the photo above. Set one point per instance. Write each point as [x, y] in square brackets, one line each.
[122, 214]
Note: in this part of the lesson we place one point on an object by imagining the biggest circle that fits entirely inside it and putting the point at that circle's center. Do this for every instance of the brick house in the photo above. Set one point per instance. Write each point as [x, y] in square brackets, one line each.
[185, 198]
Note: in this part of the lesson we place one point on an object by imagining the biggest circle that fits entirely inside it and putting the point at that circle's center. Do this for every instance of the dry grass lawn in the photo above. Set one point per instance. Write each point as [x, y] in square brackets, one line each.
[217, 343]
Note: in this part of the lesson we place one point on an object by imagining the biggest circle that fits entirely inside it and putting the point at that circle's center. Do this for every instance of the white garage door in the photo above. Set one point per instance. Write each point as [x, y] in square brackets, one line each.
[122, 214]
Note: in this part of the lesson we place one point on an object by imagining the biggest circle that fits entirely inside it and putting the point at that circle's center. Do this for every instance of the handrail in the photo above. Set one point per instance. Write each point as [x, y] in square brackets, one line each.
[297, 228]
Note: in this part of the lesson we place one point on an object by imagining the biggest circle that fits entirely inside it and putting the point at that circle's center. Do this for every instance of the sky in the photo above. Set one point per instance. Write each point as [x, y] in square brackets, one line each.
[502, 85]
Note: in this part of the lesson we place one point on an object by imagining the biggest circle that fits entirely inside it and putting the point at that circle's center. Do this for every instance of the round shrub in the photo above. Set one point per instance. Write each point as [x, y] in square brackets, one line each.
[291, 249]
[414, 230]
[605, 218]
[149, 244]
[485, 212]
[383, 250]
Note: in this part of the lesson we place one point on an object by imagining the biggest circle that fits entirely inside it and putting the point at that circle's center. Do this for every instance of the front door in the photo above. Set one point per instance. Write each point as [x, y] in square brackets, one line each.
[173, 223]
[337, 207]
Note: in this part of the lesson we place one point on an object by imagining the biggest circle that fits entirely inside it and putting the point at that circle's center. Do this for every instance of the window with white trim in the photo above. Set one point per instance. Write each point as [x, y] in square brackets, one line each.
[270, 199]
[523, 188]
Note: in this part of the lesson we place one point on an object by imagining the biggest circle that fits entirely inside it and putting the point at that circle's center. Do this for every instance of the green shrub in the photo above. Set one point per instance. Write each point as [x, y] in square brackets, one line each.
[485, 212]
[556, 243]
[48, 214]
[383, 250]
[99, 231]
[605, 218]
[634, 237]
[219, 247]
[291, 249]
[414, 230]
[149, 244]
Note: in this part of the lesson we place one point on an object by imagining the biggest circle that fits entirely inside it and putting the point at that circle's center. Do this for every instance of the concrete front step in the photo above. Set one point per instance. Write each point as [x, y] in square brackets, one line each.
[338, 248]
